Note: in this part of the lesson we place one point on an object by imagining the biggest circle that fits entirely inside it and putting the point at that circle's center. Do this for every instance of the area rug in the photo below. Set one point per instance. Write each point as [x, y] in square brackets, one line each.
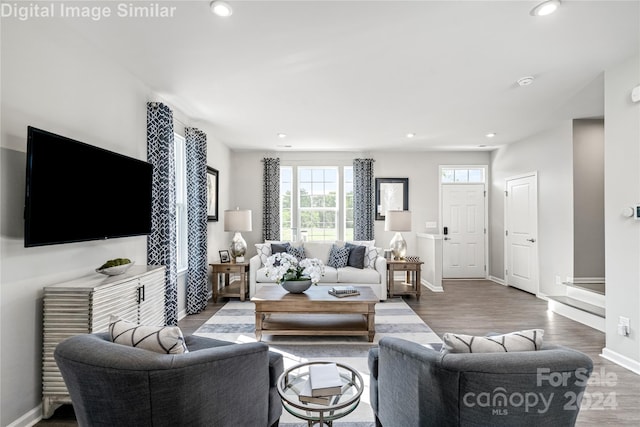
[235, 322]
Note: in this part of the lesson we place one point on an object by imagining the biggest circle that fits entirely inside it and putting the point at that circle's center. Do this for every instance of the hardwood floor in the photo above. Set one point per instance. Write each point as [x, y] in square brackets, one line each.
[478, 307]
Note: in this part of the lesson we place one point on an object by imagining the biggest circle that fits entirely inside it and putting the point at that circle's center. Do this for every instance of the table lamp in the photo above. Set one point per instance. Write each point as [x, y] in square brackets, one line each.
[398, 221]
[237, 220]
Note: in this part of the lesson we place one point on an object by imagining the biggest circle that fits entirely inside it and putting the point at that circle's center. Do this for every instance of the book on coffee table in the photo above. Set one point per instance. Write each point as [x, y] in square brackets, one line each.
[343, 291]
[305, 395]
[324, 379]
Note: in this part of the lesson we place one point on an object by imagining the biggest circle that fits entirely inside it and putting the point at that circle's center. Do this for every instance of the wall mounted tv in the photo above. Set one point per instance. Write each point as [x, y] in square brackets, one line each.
[77, 192]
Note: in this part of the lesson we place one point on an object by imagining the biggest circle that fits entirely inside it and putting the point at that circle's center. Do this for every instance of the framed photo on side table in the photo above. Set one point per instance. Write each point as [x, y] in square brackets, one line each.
[224, 256]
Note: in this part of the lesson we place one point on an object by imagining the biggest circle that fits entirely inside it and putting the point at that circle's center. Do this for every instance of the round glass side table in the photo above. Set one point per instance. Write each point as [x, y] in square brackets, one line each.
[293, 381]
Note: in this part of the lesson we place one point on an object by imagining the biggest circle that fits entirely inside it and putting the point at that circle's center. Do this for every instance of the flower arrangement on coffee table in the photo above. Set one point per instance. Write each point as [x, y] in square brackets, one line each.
[283, 267]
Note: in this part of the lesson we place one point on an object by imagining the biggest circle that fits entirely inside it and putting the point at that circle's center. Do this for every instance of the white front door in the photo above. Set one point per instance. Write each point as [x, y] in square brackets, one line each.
[463, 250]
[521, 230]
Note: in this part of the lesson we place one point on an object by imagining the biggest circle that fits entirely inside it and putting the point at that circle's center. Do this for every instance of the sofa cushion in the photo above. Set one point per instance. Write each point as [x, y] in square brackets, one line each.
[527, 340]
[357, 275]
[330, 275]
[357, 254]
[261, 276]
[319, 250]
[161, 339]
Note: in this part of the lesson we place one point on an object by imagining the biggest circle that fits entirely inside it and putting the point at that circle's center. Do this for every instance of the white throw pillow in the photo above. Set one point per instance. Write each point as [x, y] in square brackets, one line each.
[370, 256]
[527, 340]
[161, 339]
[264, 251]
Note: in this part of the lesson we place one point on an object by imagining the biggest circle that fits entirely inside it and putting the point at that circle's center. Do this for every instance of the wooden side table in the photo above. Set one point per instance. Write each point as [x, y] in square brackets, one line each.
[411, 285]
[223, 270]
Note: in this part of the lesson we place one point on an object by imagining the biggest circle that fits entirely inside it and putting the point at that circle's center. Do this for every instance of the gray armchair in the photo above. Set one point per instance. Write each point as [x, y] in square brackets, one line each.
[217, 383]
[415, 386]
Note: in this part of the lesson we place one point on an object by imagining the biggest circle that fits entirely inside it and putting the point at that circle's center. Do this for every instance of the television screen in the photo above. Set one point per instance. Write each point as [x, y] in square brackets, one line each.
[77, 192]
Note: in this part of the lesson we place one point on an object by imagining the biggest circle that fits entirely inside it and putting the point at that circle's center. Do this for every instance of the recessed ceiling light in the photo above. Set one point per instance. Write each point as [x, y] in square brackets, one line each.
[282, 135]
[490, 135]
[221, 8]
[545, 8]
[525, 81]
[411, 135]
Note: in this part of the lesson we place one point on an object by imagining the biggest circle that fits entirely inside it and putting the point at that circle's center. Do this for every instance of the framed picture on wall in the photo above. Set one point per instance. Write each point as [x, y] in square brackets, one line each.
[212, 194]
[392, 194]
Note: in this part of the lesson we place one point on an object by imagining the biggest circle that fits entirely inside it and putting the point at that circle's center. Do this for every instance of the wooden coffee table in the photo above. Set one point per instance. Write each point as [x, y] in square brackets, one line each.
[314, 312]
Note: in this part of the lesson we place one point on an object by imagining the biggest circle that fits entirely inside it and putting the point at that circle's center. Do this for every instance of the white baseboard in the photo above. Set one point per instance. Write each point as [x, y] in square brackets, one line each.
[497, 280]
[182, 314]
[29, 419]
[619, 359]
[431, 286]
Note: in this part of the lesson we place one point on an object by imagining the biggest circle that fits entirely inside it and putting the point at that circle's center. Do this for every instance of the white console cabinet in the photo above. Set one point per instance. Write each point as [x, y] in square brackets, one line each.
[84, 305]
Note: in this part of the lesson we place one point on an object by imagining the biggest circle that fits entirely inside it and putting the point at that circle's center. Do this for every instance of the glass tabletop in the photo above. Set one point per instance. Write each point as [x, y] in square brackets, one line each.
[325, 409]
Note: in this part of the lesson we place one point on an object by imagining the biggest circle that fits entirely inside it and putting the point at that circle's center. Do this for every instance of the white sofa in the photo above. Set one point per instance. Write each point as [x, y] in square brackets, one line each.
[374, 276]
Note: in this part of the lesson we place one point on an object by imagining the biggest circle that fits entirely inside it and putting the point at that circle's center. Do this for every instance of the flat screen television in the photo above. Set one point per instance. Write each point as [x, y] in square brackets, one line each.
[77, 192]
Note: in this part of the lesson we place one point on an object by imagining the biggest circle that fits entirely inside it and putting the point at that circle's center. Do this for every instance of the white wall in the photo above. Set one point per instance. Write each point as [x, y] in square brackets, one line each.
[588, 198]
[53, 80]
[550, 153]
[421, 168]
[622, 189]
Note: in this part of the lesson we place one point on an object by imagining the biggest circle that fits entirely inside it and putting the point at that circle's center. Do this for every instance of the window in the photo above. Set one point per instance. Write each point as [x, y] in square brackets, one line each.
[462, 175]
[181, 202]
[310, 203]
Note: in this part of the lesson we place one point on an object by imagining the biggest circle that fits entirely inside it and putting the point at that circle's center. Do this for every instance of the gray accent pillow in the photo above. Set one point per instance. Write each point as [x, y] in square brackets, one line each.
[356, 255]
[338, 257]
[161, 339]
[277, 248]
[527, 340]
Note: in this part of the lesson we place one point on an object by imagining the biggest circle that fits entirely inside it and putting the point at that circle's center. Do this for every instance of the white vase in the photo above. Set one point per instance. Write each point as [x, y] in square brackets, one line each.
[296, 286]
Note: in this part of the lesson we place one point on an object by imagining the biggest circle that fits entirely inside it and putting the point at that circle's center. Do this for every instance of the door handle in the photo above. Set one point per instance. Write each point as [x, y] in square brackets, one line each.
[531, 240]
[447, 238]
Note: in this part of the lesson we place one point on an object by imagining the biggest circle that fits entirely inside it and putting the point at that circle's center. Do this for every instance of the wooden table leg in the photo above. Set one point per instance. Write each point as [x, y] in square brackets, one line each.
[418, 285]
[215, 282]
[258, 325]
[242, 286]
[371, 322]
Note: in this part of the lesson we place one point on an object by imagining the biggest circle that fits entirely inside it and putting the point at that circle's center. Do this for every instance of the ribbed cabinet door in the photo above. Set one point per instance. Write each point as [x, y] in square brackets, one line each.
[119, 300]
[151, 309]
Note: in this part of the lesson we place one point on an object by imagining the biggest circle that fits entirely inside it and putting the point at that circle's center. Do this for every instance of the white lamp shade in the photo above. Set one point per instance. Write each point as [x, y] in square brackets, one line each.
[237, 220]
[397, 221]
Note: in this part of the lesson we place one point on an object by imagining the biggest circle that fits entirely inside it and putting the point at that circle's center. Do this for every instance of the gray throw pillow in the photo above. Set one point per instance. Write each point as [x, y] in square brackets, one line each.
[528, 340]
[338, 257]
[357, 254]
[277, 248]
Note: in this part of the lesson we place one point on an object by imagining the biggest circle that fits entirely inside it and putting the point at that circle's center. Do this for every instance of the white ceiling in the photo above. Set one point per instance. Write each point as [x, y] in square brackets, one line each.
[360, 75]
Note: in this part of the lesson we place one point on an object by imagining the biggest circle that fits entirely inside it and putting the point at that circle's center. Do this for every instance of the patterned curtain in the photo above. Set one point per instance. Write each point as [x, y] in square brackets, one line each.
[196, 148]
[363, 199]
[271, 199]
[161, 243]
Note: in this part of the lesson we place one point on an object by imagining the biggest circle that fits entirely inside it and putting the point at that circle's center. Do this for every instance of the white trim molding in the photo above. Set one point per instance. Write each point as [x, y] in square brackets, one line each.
[431, 286]
[619, 359]
[497, 280]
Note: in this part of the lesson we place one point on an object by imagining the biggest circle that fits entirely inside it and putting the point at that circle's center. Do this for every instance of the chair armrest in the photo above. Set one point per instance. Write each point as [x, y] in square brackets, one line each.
[413, 389]
[381, 268]
[276, 367]
[254, 265]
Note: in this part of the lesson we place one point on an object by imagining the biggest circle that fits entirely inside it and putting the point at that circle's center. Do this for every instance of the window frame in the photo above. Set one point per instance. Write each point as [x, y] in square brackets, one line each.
[295, 232]
[182, 221]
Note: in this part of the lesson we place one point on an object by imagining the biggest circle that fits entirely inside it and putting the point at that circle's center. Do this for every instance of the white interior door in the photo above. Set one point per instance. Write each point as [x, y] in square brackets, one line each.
[521, 231]
[463, 249]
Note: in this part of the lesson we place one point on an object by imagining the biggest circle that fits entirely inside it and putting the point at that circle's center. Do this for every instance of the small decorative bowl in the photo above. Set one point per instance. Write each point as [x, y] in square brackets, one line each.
[115, 270]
